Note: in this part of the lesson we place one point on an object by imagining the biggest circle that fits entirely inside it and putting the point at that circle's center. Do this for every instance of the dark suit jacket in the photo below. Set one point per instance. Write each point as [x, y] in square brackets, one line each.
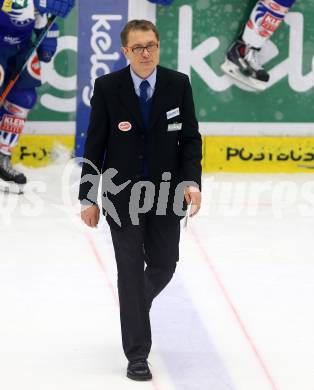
[169, 150]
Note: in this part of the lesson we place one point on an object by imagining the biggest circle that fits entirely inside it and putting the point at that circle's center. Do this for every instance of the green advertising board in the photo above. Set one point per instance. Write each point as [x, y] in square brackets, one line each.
[55, 109]
[50, 127]
[194, 38]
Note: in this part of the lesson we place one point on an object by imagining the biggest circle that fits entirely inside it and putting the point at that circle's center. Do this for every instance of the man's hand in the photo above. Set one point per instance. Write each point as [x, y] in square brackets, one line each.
[90, 215]
[193, 194]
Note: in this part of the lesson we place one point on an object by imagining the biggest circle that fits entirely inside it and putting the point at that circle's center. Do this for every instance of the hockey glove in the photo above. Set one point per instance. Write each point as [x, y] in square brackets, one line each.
[55, 7]
[48, 46]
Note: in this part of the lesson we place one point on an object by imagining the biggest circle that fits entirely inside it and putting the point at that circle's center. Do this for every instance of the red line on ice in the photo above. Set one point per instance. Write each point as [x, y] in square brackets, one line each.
[110, 285]
[234, 310]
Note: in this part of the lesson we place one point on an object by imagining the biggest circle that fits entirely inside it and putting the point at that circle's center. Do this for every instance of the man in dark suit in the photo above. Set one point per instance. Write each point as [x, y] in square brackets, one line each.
[143, 139]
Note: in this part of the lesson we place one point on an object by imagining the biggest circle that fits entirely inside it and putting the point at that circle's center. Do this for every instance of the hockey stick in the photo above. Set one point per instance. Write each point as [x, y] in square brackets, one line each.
[16, 75]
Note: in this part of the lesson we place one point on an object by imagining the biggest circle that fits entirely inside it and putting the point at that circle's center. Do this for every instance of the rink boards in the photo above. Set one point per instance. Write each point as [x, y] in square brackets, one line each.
[41, 150]
[243, 131]
[258, 154]
[220, 154]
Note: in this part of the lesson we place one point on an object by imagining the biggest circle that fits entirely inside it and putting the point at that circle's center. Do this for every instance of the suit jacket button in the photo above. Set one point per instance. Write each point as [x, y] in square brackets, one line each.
[140, 156]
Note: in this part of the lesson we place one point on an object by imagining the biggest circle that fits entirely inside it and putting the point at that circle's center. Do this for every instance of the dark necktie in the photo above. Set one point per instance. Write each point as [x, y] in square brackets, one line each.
[145, 102]
[145, 106]
[144, 91]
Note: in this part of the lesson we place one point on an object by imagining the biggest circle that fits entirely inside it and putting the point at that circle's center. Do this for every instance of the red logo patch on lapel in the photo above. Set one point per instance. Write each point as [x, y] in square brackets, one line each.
[124, 126]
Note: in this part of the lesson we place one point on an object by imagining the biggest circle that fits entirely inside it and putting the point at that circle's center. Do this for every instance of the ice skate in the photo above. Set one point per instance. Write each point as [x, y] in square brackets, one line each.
[242, 64]
[11, 180]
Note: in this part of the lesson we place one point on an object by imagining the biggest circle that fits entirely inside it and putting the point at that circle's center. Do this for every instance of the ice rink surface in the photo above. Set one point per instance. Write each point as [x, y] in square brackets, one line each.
[238, 314]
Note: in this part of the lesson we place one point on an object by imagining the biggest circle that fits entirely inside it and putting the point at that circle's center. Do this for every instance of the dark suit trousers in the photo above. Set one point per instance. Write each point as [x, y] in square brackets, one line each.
[157, 245]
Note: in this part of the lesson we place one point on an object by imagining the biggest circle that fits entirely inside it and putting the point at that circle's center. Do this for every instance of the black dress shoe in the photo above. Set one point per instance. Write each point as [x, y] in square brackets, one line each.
[139, 371]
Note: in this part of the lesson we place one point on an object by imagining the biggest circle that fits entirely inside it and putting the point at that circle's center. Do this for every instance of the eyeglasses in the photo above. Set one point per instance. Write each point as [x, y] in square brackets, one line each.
[151, 48]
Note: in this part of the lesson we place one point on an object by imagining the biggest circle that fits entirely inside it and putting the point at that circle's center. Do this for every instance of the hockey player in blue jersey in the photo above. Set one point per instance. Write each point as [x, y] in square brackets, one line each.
[19, 19]
[242, 59]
